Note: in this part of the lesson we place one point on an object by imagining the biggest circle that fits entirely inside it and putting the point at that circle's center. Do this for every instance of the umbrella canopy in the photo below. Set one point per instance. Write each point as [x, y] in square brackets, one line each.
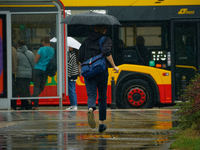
[71, 42]
[90, 18]
[53, 40]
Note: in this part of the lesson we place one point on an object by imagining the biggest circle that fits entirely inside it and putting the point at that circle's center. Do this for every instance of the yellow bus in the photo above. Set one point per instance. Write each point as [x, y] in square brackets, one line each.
[171, 32]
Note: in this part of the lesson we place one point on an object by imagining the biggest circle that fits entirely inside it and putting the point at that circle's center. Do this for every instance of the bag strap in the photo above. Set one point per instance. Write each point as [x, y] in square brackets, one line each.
[101, 41]
[28, 59]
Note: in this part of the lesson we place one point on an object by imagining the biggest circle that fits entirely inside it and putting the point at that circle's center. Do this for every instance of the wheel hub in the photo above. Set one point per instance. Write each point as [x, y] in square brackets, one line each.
[136, 97]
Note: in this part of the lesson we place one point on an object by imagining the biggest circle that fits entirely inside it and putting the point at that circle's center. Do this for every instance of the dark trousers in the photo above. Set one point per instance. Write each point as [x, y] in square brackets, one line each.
[98, 82]
[14, 92]
[39, 80]
[23, 88]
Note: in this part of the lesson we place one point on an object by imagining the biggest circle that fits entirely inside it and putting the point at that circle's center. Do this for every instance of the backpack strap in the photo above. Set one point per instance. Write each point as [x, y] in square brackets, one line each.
[101, 41]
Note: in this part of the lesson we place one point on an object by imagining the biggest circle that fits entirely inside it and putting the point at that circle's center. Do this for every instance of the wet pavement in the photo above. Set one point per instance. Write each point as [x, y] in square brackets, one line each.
[69, 130]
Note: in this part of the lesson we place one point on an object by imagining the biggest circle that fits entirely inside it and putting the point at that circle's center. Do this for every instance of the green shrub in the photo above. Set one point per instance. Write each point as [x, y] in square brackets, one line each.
[190, 109]
[188, 139]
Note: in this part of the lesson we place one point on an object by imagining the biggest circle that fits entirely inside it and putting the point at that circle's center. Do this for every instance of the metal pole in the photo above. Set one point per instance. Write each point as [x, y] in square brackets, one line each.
[113, 104]
[183, 84]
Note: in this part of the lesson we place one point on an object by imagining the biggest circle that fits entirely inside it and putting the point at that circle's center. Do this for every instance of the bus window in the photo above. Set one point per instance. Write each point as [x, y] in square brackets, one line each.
[185, 41]
[143, 44]
[152, 35]
[127, 35]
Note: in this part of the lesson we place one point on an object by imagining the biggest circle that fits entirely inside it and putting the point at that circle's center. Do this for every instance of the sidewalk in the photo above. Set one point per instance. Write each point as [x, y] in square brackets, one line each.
[84, 107]
[54, 129]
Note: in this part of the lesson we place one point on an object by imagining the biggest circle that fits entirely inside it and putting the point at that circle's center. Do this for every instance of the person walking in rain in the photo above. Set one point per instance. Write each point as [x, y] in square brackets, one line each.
[89, 48]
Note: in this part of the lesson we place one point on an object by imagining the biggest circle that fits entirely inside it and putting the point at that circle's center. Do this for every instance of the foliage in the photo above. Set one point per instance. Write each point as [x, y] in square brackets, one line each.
[188, 139]
[189, 112]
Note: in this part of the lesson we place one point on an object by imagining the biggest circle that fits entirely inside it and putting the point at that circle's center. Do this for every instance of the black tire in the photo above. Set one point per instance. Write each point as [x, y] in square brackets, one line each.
[135, 93]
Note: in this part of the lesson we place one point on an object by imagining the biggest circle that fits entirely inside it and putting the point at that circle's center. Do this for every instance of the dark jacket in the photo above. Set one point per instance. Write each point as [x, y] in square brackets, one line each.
[91, 47]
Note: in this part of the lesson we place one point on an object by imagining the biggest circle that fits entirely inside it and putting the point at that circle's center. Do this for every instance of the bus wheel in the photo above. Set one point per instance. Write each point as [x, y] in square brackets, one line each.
[136, 93]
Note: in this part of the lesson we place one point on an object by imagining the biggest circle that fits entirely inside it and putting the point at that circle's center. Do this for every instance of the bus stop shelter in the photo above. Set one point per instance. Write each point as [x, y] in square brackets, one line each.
[31, 20]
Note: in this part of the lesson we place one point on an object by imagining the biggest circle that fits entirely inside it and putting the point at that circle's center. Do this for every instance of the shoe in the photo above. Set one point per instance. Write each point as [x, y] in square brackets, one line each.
[91, 120]
[12, 108]
[35, 108]
[21, 108]
[29, 108]
[72, 108]
[102, 127]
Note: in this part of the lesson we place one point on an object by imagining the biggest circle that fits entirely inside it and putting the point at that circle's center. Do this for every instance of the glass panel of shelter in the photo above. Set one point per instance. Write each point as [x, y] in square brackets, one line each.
[31, 28]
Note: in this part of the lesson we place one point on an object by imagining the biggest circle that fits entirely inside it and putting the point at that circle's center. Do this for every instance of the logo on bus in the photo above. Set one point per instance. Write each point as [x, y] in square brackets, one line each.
[185, 11]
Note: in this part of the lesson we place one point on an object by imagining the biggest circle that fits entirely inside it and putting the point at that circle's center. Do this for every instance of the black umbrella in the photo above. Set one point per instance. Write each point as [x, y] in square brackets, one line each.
[90, 18]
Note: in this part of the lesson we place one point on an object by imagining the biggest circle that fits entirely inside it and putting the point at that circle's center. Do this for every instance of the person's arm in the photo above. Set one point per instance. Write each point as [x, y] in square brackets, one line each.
[37, 57]
[110, 59]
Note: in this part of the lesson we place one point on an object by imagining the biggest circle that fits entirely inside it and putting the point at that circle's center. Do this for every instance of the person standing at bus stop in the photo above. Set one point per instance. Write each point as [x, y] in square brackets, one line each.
[14, 70]
[43, 57]
[89, 48]
[25, 63]
[72, 77]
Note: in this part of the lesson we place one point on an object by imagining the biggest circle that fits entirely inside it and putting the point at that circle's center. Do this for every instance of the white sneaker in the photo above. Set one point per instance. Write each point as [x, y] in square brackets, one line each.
[72, 108]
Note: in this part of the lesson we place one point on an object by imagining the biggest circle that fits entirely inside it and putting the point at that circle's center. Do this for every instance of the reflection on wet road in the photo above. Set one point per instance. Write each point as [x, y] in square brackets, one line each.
[50, 130]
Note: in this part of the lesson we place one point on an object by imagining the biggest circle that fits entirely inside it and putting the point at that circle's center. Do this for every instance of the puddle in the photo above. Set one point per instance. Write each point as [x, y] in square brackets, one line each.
[69, 130]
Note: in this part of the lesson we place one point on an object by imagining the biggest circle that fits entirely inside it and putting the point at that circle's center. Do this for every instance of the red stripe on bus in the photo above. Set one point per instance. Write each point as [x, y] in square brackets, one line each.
[165, 93]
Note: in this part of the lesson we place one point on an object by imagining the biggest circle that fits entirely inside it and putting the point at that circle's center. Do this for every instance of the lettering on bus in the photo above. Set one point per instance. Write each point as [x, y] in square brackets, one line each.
[185, 11]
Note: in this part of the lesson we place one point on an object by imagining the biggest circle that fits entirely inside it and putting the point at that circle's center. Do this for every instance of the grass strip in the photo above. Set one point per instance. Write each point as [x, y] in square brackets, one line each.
[188, 139]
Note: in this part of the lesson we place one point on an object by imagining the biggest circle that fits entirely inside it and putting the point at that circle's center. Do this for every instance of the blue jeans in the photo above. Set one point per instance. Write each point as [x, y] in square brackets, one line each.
[72, 92]
[98, 82]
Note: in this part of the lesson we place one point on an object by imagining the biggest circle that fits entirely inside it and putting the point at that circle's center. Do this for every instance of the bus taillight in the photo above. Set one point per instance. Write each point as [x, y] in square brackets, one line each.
[165, 74]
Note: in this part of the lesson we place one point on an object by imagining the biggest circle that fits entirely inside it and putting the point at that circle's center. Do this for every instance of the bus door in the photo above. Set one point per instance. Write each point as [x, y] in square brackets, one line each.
[185, 55]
